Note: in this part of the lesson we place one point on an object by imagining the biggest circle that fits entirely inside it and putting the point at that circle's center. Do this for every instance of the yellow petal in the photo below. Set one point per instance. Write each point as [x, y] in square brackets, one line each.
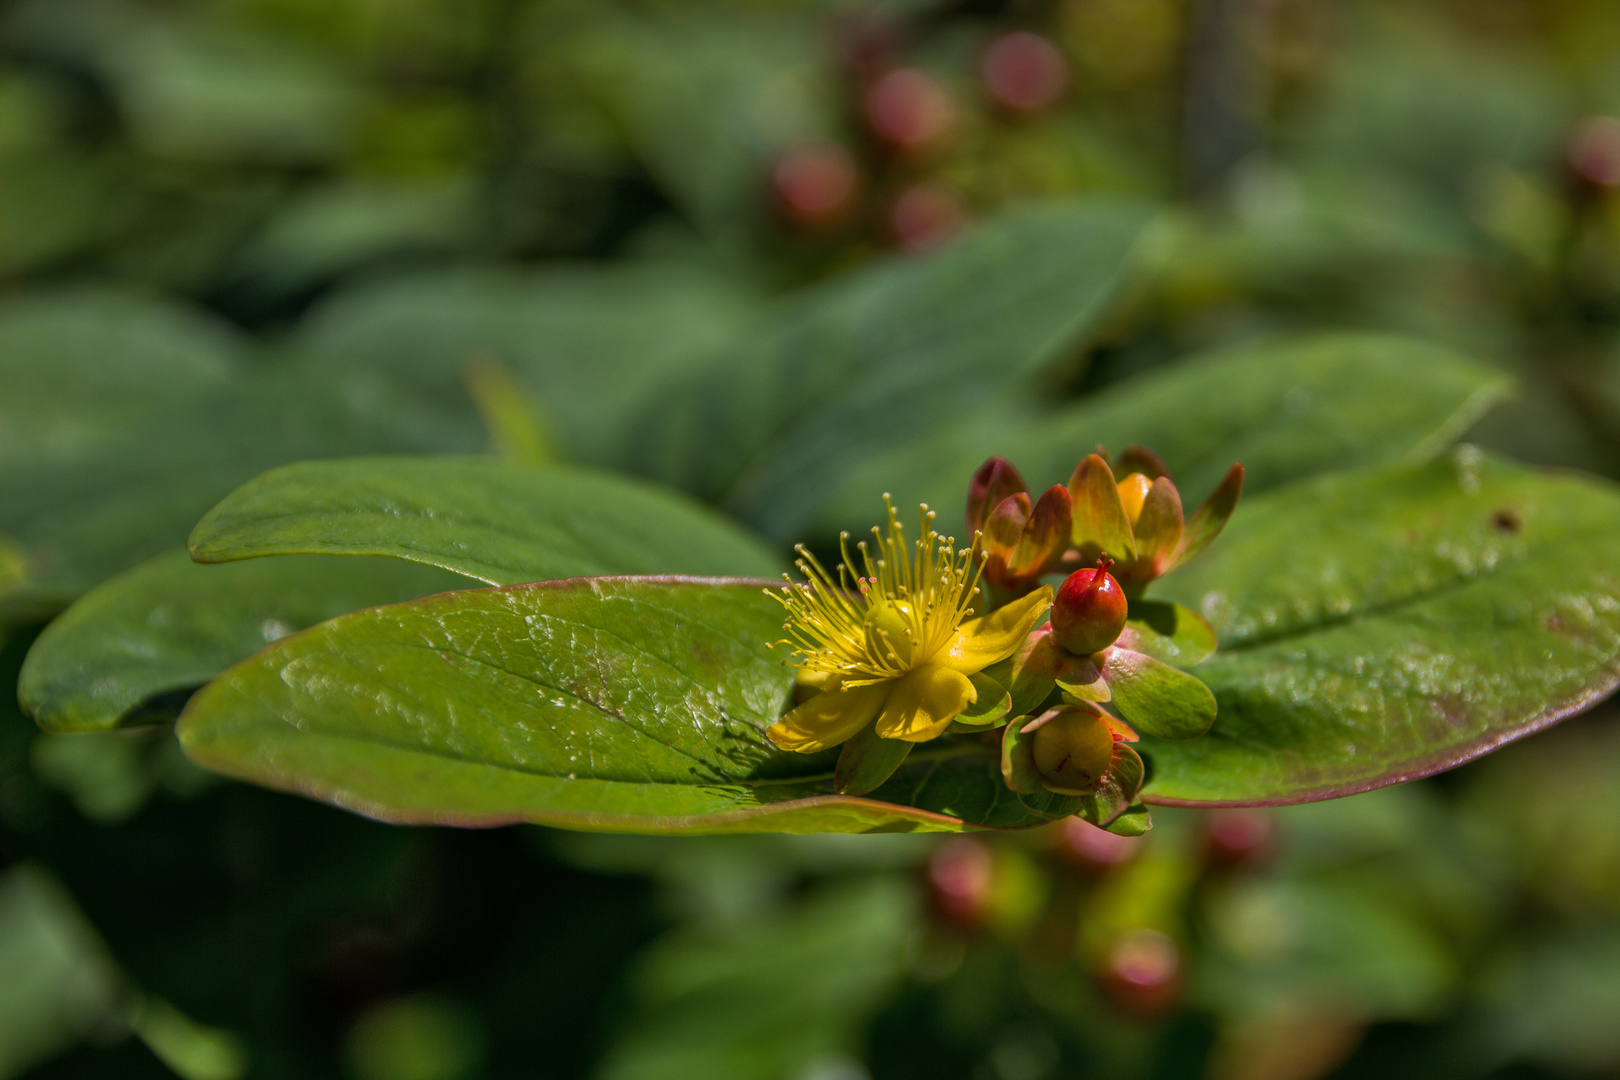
[924, 702]
[982, 641]
[829, 719]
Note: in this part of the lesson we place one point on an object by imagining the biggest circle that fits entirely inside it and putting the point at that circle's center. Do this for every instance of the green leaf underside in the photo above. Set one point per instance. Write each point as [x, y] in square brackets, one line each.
[1388, 624]
[1286, 409]
[495, 521]
[171, 625]
[629, 704]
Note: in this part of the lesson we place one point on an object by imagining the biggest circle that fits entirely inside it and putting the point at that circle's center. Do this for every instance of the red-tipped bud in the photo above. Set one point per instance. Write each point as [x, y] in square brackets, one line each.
[1239, 837]
[1072, 751]
[909, 109]
[1089, 611]
[815, 184]
[994, 481]
[1024, 72]
[1142, 973]
[925, 216]
[1094, 849]
[1005, 528]
[1022, 542]
[961, 874]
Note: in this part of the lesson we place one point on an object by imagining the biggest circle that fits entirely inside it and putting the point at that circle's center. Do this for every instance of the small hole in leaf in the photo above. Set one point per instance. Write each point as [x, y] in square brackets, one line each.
[1506, 520]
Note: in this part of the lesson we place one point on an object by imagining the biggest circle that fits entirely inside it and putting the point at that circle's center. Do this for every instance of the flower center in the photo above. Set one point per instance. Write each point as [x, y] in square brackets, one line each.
[887, 612]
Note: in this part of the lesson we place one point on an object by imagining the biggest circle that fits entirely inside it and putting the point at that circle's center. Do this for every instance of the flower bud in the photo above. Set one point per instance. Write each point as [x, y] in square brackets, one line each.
[993, 482]
[1092, 849]
[1024, 72]
[1133, 491]
[1072, 751]
[960, 875]
[1089, 611]
[909, 109]
[1237, 838]
[815, 184]
[1142, 973]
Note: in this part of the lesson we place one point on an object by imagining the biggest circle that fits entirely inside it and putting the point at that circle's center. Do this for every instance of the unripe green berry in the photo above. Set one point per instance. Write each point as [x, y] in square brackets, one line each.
[1088, 612]
[1072, 751]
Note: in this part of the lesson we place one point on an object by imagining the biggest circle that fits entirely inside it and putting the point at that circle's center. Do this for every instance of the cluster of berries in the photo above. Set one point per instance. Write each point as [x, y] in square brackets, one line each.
[907, 115]
[1037, 887]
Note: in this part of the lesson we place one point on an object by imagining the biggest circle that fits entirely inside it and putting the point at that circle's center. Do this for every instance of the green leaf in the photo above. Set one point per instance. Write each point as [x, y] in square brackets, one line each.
[628, 704]
[105, 464]
[887, 354]
[126, 648]
[1383, 625]
[495, 521]
[1170, 632]
[592, 345]
[1155, 697]
[1286, 409]
[777, 995]
[867, 760]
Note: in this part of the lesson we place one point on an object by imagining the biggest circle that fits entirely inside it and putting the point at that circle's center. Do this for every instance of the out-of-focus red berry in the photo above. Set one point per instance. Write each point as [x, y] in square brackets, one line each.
[1094, 849]
[960, 876]
[1024, 72]
[925, 216]
[1088, 612]
[1594, 151]
[1243, 836]
[815, 184]
[909, 109]
[1142, 973]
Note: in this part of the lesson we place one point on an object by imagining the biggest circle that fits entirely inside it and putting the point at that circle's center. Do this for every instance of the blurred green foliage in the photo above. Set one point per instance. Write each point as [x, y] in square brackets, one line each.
[236, 233]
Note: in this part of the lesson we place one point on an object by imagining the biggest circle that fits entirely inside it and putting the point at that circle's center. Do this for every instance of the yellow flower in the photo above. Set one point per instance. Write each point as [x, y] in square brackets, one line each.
[899, 646]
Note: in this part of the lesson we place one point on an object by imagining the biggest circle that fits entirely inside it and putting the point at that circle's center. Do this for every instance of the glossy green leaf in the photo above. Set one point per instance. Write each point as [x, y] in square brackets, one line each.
[134, 647]
[1173, 633]
[884, 355]
[1156, 698]
[496, 521]
[1286, 409]
[1387, 624]
[631, 704]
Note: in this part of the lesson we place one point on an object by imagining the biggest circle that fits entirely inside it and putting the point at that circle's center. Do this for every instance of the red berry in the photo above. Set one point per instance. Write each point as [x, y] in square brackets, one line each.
[815, 184]
[1094, 849]
[1088, 612]
[909, 109]
[1024, 72]
[960, 875]
[925, 216]
[1239, 837]
[1143, 973]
